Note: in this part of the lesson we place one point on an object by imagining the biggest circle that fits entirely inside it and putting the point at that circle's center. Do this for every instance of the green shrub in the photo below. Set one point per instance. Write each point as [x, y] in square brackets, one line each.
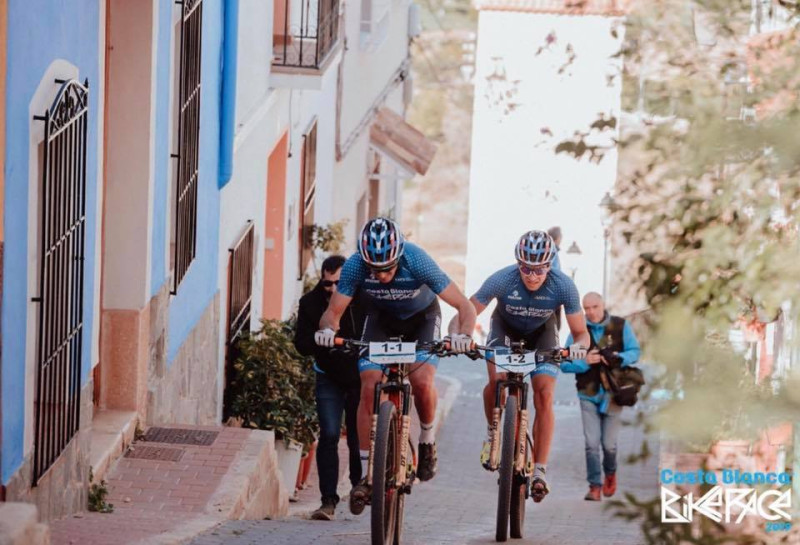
[273, 385]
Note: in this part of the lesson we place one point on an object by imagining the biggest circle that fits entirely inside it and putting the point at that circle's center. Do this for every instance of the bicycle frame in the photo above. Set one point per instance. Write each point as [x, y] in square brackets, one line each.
[519, 388]
[399, 393]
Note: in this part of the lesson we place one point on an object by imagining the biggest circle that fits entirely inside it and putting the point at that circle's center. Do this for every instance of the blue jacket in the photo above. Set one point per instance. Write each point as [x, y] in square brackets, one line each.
[630, 355]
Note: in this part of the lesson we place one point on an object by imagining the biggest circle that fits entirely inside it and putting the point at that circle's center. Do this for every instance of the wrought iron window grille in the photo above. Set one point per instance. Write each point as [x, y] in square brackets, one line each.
[187, 155]
[240, 296]
[61, 274]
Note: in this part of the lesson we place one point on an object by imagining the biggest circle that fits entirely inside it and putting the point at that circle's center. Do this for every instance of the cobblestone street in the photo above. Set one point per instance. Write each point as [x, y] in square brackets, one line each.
[458, 506]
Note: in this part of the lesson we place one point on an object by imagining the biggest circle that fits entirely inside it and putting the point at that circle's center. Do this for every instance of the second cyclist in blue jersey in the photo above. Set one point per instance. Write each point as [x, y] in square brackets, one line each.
[399, 283]
[529, 294]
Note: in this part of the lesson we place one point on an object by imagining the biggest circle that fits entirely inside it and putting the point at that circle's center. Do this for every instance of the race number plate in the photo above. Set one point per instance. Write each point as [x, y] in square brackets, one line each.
[517, 363]
[388, 353]
[511, 360]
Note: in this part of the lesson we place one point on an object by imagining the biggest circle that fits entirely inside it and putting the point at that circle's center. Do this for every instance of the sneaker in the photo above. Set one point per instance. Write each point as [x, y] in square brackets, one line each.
[485, 452]
[594, 493]
[327, 510]
[539, 489]
[359, 497]
[426, 468]
[610, 485]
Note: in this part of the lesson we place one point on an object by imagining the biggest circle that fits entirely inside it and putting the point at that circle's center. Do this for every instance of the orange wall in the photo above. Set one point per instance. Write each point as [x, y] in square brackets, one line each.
[275, 227]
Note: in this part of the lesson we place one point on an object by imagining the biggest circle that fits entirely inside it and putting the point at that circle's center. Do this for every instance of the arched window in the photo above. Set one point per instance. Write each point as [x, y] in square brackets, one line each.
[62, 233]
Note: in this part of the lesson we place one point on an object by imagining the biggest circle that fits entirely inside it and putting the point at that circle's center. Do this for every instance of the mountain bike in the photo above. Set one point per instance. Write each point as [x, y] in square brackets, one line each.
[392, 465]
[511, 448]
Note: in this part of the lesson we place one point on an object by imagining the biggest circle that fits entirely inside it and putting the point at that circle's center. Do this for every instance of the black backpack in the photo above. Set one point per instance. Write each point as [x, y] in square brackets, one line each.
[624, 383]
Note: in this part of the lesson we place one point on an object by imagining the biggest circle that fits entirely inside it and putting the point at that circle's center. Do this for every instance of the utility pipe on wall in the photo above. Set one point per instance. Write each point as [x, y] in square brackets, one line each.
[230, 43]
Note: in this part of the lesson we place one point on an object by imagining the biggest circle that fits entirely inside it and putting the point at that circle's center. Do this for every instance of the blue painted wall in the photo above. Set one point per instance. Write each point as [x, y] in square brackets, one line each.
[39, 32]
[199, 286]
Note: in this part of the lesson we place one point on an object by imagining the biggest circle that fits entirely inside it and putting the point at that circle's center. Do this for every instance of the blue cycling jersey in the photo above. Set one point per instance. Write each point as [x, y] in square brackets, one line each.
[414, 287]
[526, 310]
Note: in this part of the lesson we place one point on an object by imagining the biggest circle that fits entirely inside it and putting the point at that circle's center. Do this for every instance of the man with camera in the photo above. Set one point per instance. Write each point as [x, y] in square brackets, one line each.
[606, 381]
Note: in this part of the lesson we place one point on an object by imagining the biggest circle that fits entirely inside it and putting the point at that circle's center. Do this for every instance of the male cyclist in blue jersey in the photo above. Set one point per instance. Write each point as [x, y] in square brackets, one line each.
[528, 295]
[399, 282]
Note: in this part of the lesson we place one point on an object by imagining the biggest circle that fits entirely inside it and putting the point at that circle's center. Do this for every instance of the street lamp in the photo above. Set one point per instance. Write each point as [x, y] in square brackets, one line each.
[573, 250]
[607, 207]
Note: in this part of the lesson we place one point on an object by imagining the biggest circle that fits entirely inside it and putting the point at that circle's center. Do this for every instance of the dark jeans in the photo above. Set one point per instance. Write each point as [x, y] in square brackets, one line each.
[332, 400]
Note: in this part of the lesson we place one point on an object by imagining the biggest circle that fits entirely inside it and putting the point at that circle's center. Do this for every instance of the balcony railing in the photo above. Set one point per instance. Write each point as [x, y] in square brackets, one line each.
[306, 31]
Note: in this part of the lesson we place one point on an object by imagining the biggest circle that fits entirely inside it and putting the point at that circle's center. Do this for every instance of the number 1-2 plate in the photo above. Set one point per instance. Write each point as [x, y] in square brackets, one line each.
[527, 358]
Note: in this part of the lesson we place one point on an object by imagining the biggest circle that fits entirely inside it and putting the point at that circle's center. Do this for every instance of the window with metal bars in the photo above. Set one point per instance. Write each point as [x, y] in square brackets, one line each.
[187, 154]
[308, 195]
[240, 297]
[62, 236]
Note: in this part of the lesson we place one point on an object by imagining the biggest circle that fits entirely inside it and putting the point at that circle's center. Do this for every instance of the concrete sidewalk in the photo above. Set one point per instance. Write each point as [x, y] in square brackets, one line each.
[167, 492]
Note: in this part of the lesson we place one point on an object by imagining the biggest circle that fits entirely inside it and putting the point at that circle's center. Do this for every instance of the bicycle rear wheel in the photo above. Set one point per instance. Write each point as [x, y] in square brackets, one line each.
[518, 490]
[384, 492]
[506, 473]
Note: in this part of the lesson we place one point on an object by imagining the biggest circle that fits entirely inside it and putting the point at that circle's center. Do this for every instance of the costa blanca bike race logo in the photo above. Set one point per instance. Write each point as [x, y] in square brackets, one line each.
[732, 497]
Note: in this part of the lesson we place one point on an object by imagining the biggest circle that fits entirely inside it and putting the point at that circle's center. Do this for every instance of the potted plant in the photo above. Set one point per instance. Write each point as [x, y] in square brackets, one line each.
[273, 389]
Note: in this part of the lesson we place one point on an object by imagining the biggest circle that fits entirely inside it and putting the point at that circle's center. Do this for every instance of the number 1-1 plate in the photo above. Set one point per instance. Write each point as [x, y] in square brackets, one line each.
[387, 353]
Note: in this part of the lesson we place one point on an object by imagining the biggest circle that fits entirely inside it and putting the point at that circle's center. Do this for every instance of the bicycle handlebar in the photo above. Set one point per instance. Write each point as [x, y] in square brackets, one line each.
[438, 347]
[442, 348]
[552, 355]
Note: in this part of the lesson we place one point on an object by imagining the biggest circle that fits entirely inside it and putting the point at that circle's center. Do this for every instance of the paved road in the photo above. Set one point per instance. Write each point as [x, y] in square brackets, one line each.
[458, 506]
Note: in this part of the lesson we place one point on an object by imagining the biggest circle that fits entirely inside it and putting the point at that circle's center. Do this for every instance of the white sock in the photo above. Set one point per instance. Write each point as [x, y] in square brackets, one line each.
[539, 470]
[364, 461]
[427, 434]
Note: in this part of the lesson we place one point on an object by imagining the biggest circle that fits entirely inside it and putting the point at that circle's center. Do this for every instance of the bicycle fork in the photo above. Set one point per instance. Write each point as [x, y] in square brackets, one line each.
[405, 426]
[522, 430]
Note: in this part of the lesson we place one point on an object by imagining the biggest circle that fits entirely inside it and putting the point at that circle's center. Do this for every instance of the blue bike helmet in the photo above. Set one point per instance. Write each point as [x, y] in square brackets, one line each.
[380, 243]
[535, 248]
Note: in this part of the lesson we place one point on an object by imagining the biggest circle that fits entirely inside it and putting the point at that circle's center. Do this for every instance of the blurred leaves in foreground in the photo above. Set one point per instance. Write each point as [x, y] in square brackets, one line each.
[707, 200]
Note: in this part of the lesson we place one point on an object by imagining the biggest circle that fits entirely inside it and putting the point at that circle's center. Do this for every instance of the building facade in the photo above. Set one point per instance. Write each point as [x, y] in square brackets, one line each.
[164, 165]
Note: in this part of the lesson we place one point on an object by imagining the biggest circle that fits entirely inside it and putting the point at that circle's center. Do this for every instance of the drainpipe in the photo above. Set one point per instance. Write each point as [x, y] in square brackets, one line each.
[227, 118]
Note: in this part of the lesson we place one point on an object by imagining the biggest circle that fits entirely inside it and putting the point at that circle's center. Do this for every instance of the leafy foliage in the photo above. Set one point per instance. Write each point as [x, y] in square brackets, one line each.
[97, 496]
[707, 201]
[328, 238]
[273, 386]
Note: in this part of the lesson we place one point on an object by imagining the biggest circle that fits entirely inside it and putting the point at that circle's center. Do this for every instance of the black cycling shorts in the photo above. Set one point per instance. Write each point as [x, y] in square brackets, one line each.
[424, 326]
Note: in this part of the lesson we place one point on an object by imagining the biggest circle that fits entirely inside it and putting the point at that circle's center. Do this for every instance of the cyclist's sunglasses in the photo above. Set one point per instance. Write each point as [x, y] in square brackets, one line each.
[329, 283]
[382, 269]
[541, 270]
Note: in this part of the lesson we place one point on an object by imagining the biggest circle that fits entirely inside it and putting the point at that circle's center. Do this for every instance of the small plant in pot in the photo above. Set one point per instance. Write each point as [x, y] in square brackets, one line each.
[273, 389]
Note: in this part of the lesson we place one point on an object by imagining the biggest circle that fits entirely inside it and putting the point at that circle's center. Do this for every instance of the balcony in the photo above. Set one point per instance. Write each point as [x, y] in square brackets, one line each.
[305, 42]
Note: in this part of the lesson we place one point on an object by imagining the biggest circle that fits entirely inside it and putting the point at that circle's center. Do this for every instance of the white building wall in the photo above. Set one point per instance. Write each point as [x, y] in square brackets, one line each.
[351, 171]
[304, 106]
[254, 58]
[366, 73]
[517, 182]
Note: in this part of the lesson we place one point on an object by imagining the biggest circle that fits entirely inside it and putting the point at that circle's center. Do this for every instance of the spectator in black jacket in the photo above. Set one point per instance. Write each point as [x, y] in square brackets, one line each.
[338, 384]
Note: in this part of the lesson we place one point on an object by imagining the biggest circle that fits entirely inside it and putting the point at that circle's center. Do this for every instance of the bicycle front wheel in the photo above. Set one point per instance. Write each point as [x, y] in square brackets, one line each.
[519, 488]
[506, 474]
[384, 492]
